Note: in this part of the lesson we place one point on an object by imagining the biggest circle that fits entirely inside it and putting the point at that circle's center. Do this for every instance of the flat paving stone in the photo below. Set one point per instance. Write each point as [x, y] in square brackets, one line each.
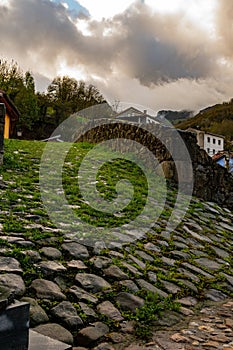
[198, 270]
[89, 335]
[180, 255]
[197, 235]
[226, 226]
[75, 250]
[32, 255]
[148, 286]
[50, 267]
[51, 253]
[11, 239]
[137, 261]
[170, 287]
[89, 312]
[144, 256]
[168, 261]
[193, 226]
[108, 309]
[76, 264]
[82, 294]
[187, 301]
[130, 285]
[37, 314]
[8, 264]
[99, 247]
[131, 268]
[14, 283]
[67, 314]
[152, 247]
[92, 282]
[129, 302]
[228, 278]
[221, 252]
[215, 295]
[189, 285]
[209, 264]
[45, 289]
[180, 245]
[115, 272]
[101, 262]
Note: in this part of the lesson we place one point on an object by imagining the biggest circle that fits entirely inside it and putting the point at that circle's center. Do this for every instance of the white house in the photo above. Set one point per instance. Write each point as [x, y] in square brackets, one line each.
[132, 114]
[211, 143]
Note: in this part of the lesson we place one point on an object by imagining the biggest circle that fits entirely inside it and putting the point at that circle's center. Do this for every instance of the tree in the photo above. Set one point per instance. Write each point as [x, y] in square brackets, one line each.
[67, 96]
[41, 113]
[11, 78]
[26, 101]
[43, 104]
[21, 90]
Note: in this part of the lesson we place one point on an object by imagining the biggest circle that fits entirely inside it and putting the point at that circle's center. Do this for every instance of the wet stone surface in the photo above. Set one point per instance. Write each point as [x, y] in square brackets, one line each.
[90, 296]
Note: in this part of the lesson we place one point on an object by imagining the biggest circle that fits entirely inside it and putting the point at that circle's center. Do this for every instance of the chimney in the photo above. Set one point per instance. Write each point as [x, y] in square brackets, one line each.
[145, 111]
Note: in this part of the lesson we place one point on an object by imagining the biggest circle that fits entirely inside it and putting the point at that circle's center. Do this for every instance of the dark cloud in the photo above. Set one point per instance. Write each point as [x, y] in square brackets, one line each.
[163, 48]
[224, 25]
[38, 30]
[153, 48]
[140, 48]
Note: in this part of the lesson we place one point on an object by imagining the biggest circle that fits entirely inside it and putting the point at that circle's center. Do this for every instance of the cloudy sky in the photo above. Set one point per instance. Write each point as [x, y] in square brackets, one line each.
[162, 54]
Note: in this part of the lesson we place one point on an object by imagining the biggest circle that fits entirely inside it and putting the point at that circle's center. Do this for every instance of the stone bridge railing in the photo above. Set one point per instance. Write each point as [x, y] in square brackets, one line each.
[211, 181]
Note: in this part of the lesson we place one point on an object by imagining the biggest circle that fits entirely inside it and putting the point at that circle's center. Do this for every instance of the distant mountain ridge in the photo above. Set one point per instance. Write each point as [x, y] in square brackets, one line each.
[174, 116]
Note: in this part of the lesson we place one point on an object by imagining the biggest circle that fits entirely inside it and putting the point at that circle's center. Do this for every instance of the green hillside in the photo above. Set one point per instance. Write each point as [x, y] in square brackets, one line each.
[217, 119]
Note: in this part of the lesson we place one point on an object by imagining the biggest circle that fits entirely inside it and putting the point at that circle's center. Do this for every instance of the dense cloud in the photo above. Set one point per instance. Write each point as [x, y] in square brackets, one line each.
[164, 61]
[164, 48]
[224, 26]
[37, 32]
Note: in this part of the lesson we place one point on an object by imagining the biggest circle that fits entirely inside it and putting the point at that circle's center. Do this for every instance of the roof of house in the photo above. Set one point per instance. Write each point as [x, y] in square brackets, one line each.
[222, 154]
[204, 132]
[218, 156]
[11, 109]
[217, 135]
[133, 109]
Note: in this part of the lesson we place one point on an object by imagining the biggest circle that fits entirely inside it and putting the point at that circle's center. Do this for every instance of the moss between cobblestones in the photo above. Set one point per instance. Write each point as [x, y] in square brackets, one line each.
[23, 216]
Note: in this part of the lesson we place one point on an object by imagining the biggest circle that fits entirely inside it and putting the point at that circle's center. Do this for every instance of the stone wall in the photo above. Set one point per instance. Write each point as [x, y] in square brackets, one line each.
[211, 181]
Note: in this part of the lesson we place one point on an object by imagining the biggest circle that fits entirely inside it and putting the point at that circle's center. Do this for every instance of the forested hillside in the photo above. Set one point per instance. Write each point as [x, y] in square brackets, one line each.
[217, 119]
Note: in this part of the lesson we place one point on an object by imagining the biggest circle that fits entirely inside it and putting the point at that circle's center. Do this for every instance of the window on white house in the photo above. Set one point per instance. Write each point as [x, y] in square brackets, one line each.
[213, 151]
[219, 142]
[208, 150]
[214, 141]
[208, 139]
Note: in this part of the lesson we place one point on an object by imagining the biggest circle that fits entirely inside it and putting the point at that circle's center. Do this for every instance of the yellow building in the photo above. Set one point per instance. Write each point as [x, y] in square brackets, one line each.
[12, 115]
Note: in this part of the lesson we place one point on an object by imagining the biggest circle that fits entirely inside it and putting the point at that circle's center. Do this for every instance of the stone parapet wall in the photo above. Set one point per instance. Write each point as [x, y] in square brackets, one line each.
[211, 181]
